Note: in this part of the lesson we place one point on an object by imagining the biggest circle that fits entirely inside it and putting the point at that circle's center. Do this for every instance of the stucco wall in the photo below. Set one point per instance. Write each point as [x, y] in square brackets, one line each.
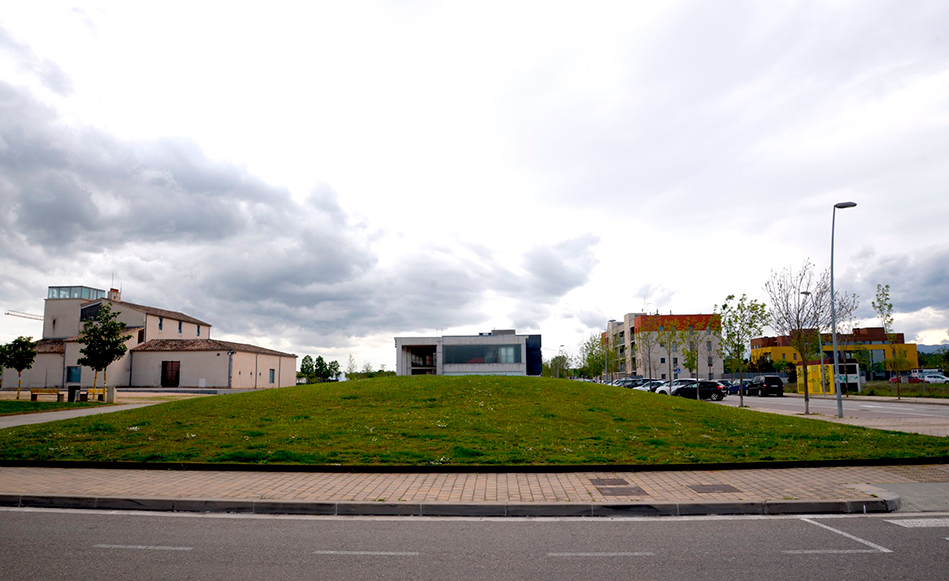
[61, 318]
[169, 329]
[47, 371]
[252, 370]
[195, 366]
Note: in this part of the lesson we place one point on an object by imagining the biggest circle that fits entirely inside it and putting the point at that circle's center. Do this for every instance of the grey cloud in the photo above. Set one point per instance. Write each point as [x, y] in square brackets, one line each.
[916, 281]
[49, 73]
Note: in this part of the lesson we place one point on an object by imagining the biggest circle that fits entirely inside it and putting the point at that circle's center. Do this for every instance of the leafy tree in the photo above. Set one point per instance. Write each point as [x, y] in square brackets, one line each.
[19, 354]
[366, 370]
[351, 368]
[800, 307]
[742, 321]
[591, 356]
[320, 369]
[306, 367]
[691, 341]
[104, 341]
[559, 365]
[333, 367]
[883, 306]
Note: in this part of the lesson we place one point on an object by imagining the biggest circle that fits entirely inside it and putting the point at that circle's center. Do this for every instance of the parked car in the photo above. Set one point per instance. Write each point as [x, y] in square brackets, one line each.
[763, 385]
[707, 390]
[731, 388]
[935, 378]
[663, 388]
[909, 379]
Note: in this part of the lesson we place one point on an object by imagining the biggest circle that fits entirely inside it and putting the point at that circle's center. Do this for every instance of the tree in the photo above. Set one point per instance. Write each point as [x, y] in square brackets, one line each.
[320, 369]
[19, 354]
[591, 356]
[883, 306]
[558, 365]
[668, 339]
[691, 342]
[742, 321]
[104, 341]
[350, 368]
[800, 307]
[647, 339]
[306, 367]
[333, 367]
[367, 370]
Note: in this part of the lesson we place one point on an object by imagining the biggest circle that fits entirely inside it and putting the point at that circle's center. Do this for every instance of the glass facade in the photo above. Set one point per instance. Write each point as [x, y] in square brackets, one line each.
[75, 292]
[478, 354]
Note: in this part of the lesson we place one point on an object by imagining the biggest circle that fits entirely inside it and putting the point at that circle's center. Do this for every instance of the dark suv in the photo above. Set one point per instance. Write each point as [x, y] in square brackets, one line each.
[707, 390]
[766, 385]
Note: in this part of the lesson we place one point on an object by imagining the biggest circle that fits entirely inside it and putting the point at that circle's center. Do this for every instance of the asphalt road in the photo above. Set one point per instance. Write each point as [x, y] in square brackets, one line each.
[852, 408]
[49, 544]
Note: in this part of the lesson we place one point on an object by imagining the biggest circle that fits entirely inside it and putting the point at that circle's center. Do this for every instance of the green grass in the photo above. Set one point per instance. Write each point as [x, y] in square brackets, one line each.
[453, 421]
[25, 406]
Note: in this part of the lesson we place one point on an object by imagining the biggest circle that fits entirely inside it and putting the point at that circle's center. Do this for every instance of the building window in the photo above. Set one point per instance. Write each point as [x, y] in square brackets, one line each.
[199, 330]
[161, 323]
[478, 354]
[179, 327]
[141, 335]
[708, 346]
[662, 360]
[73, 374]
[663, 376]
[675, 360]
[271, 375]
[795, 356]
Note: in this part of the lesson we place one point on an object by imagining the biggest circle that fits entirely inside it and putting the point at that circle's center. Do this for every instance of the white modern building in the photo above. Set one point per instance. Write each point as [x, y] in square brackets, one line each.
[165, 349]
[500, 352]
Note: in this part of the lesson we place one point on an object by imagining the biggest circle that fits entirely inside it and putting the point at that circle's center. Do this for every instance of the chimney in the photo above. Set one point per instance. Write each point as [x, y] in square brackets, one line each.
[114, 295]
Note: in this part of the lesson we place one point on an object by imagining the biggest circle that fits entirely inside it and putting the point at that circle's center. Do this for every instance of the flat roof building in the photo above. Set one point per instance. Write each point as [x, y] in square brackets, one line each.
[500, 352]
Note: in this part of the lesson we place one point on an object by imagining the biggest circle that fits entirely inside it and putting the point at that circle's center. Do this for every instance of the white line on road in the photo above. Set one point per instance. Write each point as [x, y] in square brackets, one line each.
[903, 413]
[369, 553]
[143, 547]
[640, 554]
[848, 535]
[921, 522]
[831, 551]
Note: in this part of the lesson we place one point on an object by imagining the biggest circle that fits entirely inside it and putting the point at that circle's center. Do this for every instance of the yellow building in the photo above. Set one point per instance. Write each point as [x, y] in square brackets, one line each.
[872, 339]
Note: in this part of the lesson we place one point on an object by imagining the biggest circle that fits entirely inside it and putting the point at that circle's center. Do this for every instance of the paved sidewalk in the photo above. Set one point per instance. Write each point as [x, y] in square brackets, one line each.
[782, 491]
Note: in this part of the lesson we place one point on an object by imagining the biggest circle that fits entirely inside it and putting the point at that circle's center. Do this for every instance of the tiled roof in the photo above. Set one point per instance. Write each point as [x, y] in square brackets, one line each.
[205, 345]
[50, 346]
[160, 312]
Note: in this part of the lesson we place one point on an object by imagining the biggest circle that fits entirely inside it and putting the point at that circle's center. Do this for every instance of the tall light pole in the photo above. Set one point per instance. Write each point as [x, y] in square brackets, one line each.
[833, 303]
[820, 349]
[559, 360]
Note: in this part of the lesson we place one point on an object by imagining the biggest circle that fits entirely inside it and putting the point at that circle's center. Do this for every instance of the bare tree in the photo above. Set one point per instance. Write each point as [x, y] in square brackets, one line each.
[800, 307]
[647, 339]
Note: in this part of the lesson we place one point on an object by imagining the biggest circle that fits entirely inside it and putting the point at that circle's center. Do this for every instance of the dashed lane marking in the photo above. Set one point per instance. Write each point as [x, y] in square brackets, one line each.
[917, 523]
[369, 553]
[143, 547]
[634, 554]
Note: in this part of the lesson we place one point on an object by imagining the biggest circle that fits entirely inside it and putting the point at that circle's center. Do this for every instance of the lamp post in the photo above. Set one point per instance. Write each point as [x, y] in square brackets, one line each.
[820, 350]
[559, 360]
[833, 303]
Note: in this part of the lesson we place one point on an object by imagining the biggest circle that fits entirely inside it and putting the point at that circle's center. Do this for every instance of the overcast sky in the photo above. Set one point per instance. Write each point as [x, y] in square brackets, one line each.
[322, 177]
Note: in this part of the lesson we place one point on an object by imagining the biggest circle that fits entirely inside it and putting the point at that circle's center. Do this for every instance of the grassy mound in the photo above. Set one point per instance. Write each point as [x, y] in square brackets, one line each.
[453, 421]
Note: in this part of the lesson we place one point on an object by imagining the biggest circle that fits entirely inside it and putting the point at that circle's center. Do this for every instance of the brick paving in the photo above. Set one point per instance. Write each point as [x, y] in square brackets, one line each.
[752, 485]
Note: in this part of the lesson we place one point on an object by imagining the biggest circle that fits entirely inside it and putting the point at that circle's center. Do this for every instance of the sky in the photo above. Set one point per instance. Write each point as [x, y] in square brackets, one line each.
[322, 177]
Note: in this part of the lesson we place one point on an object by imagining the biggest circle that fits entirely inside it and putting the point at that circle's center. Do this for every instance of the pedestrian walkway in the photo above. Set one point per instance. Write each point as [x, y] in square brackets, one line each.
[43, 417]
[780, 491]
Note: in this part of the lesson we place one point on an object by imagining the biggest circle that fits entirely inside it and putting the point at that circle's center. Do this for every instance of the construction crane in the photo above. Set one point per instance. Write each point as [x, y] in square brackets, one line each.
[24, 315]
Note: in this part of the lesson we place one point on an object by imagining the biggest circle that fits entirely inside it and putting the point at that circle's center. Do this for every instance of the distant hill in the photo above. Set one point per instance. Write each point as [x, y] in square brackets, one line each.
[929, 348]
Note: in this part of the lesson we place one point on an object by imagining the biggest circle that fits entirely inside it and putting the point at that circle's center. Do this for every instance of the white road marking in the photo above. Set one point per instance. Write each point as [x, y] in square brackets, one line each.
[639, 554]
[831, 551]
[369, 553]
[848, 535]
[903, 413]
[921, 522]
[143, 547]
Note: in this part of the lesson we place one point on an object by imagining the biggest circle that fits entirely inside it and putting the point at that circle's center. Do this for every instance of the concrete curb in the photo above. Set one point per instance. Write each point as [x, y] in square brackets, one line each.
[874, 398]
[886, 502]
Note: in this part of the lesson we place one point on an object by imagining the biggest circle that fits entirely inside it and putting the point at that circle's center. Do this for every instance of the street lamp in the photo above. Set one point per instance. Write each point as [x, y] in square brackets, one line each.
[833, 302]
[559, 360]
[820, 348]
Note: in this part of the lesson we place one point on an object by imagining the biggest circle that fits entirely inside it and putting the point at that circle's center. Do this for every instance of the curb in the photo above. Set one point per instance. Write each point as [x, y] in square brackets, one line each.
[875, 398]
[890, 503]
